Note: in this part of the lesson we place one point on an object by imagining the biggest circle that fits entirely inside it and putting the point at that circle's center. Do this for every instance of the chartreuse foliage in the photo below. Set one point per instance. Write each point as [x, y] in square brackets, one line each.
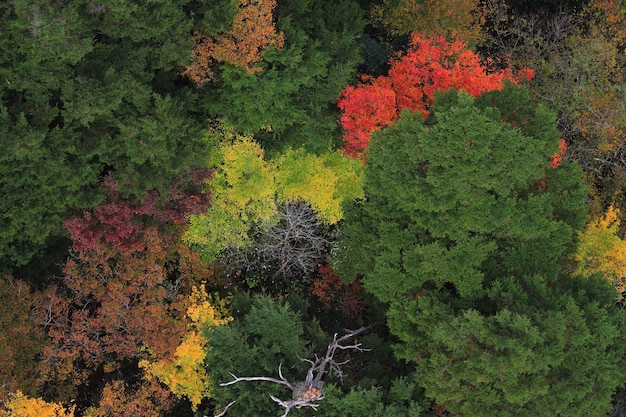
[246, 189]
[463, 230]
[185, 374]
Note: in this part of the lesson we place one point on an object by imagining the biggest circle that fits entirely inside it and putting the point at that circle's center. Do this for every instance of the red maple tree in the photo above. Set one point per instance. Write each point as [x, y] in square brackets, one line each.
[431, 64]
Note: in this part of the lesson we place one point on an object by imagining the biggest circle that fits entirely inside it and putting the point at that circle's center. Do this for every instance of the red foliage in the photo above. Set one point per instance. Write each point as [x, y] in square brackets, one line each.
[557, 159]
[346, 299]
[431, 64]
[122, 222]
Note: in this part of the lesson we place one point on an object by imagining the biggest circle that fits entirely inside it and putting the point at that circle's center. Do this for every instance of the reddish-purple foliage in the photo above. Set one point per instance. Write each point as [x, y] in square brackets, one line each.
[122, 222]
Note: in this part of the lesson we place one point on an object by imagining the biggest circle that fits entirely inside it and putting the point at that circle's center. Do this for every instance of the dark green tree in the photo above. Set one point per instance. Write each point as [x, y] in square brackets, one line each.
[90, 88]
[291, 101]
[463, 233]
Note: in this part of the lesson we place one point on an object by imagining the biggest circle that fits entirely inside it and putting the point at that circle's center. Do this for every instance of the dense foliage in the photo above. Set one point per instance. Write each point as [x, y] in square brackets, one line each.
[305, 207]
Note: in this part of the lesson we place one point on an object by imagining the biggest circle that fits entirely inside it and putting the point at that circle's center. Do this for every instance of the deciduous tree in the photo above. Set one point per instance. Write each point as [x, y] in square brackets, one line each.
[431, 64]
[252, 32]
[20, 405]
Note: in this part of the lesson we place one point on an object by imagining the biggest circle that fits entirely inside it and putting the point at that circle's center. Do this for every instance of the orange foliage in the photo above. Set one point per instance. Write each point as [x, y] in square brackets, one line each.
[118, 401]
[613, 15]
[557, 159]
[431, 64]
[253, 31]
[119, 305]
[20, 405]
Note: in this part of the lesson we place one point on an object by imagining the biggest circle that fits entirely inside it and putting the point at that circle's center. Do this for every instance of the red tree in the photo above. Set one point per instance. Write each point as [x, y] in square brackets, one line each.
[337, 296]
[121, 222]
[430, 65]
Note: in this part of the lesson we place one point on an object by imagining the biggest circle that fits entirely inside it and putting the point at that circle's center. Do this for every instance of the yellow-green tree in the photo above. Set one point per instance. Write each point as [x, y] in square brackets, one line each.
[247, 188]
[602, 250]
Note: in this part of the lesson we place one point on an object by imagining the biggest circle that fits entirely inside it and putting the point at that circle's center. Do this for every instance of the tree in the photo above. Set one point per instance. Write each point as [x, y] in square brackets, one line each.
[88, 90]
[269, 334]
[22, 337]
[463, 232]
[20, 405]
[601, 250]
[248, 191]
[252, 32]
[184, 374]
[431, 64]
[548, 344]
[460, 19]
[460, 155]
[286, 250]
[290, 102]
[116, 308]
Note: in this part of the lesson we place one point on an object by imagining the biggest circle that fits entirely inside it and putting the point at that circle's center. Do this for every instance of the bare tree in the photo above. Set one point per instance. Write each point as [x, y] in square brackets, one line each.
[307, 393]
[288, 247]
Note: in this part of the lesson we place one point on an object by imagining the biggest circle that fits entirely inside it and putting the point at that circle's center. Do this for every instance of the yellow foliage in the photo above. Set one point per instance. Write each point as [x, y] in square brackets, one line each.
[185, 374]
[601, 249]
[246, 189]
[20, 405]
[323, 181]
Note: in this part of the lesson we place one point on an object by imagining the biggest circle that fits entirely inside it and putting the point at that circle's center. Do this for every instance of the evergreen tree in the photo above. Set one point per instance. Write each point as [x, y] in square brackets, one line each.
[462, 211]
[91, 88]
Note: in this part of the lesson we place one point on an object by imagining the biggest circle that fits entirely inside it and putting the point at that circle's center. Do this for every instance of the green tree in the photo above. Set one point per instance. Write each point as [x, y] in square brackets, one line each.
[462, 233]
[88, 89]
[290, 102]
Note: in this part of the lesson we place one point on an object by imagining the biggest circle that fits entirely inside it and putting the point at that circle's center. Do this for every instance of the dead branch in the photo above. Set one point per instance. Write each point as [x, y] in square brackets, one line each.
[282, 381]
[308, 392]
[223, 413]
[289, 404]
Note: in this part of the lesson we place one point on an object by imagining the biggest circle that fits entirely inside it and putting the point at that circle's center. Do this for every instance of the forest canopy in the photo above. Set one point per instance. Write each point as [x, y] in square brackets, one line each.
[358, 207]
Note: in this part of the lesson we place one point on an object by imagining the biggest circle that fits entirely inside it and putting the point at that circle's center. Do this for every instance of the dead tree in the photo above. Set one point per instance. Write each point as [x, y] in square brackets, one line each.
[287, 249]
[307, 393]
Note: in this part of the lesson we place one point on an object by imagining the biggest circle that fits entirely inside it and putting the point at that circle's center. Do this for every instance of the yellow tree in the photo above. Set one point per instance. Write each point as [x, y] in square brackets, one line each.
[602, 250]
[20, 405]
[252, 32]
[185, 374]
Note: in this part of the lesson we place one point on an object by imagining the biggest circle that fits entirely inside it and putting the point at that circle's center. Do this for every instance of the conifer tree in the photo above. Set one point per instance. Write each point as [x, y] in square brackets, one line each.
[466, 223]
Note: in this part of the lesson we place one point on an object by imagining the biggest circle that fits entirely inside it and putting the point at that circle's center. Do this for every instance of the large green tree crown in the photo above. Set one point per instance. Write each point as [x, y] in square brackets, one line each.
[464, 195]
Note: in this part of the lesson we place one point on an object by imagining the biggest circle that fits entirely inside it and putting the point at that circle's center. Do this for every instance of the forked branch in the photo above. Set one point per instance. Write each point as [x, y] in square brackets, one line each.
[308, 392]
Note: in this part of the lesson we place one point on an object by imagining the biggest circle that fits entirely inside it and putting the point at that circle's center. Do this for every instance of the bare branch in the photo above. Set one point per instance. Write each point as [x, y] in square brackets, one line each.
[224, 410]
[320, 368]
[289, 404]
[282, 381]
[306, 393]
